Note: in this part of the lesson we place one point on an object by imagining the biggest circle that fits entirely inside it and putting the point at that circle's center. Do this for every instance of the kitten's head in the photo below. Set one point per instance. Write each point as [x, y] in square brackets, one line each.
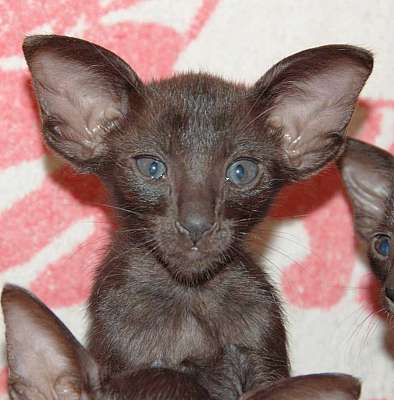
[193, 162]
[47, 362]
[368, 174]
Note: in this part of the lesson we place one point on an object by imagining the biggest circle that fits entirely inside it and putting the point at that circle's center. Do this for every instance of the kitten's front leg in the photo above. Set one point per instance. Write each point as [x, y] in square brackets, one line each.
[268, 364]
[264, 340]
[254, 345]
[258, 367]
[240, 370]
[224, 377]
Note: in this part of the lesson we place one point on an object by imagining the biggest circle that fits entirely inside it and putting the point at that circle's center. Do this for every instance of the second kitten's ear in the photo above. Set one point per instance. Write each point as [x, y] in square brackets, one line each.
[83, 91]
[368, 175]
[45, 360]
[310, 387]
[309, 98]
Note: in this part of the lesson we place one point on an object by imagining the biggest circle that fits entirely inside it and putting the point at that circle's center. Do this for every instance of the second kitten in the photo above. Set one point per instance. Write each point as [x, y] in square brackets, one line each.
[368, 175]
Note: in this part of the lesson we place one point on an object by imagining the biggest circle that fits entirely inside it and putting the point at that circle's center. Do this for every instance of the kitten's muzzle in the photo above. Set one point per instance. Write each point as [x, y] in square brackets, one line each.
[195, 227]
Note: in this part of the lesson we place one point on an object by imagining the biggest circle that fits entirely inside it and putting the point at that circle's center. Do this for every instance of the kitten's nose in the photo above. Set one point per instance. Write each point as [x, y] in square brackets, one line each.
[194, 225]
[389, 292]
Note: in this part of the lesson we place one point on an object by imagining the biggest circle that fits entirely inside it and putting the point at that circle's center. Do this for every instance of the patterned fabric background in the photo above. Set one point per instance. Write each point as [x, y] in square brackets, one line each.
[54, 223]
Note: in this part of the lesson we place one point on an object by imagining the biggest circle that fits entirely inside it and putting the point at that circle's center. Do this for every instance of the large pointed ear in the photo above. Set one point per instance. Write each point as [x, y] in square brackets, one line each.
[45, 360]
[83, 90]
[368, 175]
[310, 387]
[308, 99]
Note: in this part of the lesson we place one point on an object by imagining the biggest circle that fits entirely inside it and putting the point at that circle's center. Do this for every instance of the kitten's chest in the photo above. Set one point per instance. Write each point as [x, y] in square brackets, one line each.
[195, 326]
[171, 335]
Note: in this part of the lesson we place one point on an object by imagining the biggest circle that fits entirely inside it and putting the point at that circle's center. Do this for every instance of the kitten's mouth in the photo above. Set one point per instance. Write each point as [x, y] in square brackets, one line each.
[194, 253]
[193, 267]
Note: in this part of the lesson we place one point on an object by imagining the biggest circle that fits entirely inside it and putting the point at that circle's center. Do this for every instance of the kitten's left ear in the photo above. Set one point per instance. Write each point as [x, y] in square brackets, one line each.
[368, 175]
[84, 93]
[309, 97]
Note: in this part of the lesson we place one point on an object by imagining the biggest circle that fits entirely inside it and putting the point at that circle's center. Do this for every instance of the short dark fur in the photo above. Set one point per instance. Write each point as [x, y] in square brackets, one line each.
[178, 289]
[368, 174]
[47, 362]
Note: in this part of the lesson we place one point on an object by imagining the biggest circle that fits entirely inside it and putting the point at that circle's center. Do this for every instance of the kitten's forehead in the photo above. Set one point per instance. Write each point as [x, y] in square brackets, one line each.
[196, 112]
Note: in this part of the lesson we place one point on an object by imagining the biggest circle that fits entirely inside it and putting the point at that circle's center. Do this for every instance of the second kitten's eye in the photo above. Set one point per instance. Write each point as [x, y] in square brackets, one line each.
[382, 245]
[151, 167]
[242, 172]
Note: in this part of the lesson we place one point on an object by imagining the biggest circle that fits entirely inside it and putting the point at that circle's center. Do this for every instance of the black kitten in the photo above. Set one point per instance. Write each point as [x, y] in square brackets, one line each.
[47, 362]
[368, 174]
[192, 163]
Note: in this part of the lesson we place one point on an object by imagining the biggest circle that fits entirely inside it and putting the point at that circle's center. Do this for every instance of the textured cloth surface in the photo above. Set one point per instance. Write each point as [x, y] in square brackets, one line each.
[53, 225]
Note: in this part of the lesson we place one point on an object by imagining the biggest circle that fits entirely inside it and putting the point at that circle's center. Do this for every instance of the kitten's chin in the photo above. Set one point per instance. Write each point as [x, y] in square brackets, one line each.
[192, 270]
[195, 275]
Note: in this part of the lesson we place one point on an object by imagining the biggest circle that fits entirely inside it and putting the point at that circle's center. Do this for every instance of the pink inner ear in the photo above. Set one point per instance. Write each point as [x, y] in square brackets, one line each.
[311, 96]
[40, 349]
[79, 98]
[318, 106]
[369, 186]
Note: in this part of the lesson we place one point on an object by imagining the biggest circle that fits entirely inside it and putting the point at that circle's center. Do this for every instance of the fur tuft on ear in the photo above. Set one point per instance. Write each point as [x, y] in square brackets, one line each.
[309, 98]
[83, 92]
[45, 360]
[368, 175]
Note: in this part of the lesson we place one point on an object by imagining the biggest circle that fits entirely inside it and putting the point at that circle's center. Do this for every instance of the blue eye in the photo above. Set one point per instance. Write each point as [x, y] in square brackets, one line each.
[151, 167]
[382, 245]
[242, 172]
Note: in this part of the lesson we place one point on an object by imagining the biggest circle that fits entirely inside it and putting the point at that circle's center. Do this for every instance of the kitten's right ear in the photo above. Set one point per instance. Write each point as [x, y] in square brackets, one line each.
[310, 387]
[83, 91]
[368, 174]
[307, 101]
[45, 360]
